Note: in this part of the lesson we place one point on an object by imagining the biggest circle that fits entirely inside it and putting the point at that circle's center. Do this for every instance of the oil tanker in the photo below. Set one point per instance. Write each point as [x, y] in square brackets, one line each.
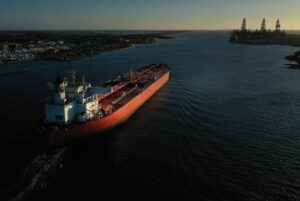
[79, 109]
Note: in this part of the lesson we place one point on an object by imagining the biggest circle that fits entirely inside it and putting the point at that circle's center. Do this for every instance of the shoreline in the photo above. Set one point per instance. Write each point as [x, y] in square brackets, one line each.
[83, 46]
[295, 57]
[290, 40]
[265, 43]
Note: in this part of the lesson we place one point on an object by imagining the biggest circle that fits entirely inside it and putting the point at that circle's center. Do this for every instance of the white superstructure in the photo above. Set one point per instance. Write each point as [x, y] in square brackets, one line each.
[73, 102]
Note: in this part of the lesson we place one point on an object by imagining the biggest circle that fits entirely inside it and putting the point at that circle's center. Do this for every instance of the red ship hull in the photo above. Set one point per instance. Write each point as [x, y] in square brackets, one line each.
[60, 137]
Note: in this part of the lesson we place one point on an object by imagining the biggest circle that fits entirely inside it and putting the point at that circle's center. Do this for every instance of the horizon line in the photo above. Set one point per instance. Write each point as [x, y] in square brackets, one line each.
[16, 30]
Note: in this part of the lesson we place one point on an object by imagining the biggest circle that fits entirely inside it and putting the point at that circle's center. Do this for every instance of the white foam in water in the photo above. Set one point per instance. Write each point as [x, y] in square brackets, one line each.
[36, 175]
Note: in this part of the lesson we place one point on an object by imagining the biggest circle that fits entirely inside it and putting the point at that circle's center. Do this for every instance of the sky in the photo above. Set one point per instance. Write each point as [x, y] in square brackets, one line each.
[146, 14]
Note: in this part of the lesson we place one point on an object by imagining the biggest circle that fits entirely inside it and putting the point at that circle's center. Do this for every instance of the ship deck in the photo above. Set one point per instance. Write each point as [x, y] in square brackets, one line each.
[125, 89]
[138, 82]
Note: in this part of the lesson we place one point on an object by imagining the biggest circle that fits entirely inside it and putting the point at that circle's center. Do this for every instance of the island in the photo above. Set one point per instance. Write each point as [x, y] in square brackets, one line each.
[295, 58]
[22, 46]
[267, 37]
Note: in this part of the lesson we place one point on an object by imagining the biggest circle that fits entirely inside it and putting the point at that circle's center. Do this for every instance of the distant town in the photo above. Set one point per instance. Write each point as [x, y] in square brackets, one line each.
[18, 52]
[29, 46]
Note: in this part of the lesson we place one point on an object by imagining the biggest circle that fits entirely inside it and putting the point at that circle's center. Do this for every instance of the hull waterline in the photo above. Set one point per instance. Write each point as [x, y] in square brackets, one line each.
[118, 117]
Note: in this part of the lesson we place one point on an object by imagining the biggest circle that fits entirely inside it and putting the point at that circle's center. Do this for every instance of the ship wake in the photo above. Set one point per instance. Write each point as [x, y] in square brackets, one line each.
[37, 176]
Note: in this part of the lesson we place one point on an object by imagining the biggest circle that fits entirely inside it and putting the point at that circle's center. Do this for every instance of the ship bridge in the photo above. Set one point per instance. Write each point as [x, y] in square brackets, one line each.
[72, 101]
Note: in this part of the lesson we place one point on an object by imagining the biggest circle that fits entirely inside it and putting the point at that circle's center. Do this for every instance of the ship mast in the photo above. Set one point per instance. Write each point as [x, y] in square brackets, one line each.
[131, 76]
[83, 80]
[72, 77]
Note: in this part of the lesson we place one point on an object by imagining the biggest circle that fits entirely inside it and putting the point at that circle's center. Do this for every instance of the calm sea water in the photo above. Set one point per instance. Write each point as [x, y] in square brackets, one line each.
[225, 127]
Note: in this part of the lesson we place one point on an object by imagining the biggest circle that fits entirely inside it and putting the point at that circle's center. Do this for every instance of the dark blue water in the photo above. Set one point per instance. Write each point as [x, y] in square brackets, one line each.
[225, 127]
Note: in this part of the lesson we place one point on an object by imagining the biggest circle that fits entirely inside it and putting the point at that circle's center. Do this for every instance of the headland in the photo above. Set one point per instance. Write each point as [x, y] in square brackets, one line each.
[23, 46]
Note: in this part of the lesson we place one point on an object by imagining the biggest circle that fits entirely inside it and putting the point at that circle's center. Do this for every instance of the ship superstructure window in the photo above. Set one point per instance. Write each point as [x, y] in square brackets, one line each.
[59, 117]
